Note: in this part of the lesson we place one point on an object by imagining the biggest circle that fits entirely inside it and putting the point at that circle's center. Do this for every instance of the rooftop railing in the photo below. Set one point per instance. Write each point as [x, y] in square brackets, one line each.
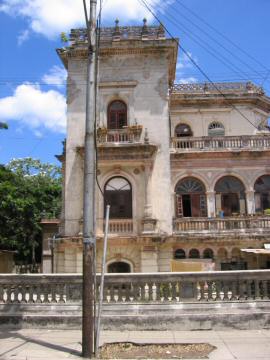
[217, 143]
[224, 88]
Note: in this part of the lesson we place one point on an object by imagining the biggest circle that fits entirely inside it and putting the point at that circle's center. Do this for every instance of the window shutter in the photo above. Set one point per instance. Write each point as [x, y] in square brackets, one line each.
[203, 211]
[179, 206]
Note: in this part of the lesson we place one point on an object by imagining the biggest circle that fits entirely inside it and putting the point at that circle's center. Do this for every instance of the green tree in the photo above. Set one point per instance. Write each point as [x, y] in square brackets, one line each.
[29, 191]
[3, 125]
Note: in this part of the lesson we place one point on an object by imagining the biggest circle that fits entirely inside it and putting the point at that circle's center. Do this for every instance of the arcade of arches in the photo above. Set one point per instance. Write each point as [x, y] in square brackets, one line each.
[230, 197]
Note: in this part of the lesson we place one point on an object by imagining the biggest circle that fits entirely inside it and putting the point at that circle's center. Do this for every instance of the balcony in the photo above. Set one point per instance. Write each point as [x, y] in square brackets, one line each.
[127, 135]
[124, 144]
[220, 143]
[217, 226]
[117, 227]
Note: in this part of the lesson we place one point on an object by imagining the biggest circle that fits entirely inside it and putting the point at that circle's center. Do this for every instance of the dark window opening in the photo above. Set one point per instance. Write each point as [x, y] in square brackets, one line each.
[183, 130]
[194, 254]
[262, 193]
[190, 198]
[230, 196]
[208, 254]
[119, 267]
[118, 194]
[179, 254]
[117, 115]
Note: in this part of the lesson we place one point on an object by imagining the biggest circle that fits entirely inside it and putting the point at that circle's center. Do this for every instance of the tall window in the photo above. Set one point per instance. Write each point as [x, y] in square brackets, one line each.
[230, 196]
[262, 193]
[190, 198]
[117, 115]
[118, 194]
[183, 130]
[216, 129]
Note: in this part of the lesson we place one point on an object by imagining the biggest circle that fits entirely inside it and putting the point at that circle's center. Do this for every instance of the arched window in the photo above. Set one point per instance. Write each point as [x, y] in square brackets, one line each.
[194, 254]
[117, 115]
[179, 254]
[183, 130]
[208, 254]
[230, 196]
[262, 193]
[216, 129]
[119, 267]
[118, 194]
[190, 198]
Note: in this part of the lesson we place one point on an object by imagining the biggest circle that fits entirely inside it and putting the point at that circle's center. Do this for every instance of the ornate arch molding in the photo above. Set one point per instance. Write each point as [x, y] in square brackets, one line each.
[232, 174]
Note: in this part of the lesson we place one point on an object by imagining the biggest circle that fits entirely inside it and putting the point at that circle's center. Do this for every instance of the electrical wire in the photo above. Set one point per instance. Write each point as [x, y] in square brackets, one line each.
[221, 34]
[216, 41]
[205, 45]
[147, 6]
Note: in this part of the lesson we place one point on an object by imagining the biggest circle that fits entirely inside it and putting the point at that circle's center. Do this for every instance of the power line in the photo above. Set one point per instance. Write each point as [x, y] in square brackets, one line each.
[208, 48]
[221, 34]
[143, 2]
[216, 41]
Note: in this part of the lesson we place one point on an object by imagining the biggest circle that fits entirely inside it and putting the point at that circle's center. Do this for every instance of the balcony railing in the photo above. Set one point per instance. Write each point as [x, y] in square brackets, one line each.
[139, 288]
[117, 226]
[230, 224]
[128, 135]
[194, 144]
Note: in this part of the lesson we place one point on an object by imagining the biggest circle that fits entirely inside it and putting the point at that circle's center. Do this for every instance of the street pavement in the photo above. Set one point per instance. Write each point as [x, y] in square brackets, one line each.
[30, 344]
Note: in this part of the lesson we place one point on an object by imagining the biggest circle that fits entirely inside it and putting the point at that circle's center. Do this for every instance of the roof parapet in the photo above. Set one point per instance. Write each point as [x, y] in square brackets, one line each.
[78, 37]
[217, 88]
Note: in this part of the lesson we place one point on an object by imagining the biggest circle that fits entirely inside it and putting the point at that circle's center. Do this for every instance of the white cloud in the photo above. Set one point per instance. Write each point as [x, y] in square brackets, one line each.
[187, 80]
[23, 36]
[184, 63]
[56, 76]
[51, 17]
[31, 106]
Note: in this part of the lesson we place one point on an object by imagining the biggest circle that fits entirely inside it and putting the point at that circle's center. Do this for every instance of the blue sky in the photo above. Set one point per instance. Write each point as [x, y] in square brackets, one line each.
[32, 89]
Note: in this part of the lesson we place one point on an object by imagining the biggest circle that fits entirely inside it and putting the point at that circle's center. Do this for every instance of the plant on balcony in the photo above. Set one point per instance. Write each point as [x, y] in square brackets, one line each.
[267, 212]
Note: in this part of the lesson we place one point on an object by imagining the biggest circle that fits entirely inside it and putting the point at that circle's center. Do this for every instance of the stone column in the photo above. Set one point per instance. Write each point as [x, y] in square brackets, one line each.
[147, 192]
[250, 198]
[148, 223]
[211, 203]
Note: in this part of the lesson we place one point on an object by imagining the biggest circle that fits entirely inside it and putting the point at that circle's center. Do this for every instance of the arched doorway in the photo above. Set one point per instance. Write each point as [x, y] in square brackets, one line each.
[262, 193]
[230, 196]
[117, 115]
[119, 267]
[118, 194]
[190, 198]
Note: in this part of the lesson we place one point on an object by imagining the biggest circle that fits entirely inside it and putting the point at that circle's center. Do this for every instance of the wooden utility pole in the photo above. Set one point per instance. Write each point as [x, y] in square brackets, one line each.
[89, 237]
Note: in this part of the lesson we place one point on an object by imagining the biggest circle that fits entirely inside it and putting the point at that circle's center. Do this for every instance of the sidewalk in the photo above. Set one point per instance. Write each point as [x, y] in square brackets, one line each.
[40, 344]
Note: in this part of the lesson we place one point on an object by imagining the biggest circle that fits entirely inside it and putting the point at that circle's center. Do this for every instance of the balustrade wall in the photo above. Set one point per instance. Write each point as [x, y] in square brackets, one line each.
[221, 143]
[218, 224]
[249, 285]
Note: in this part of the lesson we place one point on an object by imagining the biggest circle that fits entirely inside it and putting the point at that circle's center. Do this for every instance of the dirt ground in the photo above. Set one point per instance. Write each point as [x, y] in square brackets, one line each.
[129, 350]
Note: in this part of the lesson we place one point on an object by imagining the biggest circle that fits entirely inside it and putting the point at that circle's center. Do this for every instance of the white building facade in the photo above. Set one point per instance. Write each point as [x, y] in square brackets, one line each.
[185, 167]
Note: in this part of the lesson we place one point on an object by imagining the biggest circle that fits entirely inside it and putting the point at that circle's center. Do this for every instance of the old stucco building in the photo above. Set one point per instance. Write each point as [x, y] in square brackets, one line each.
[185, 167]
